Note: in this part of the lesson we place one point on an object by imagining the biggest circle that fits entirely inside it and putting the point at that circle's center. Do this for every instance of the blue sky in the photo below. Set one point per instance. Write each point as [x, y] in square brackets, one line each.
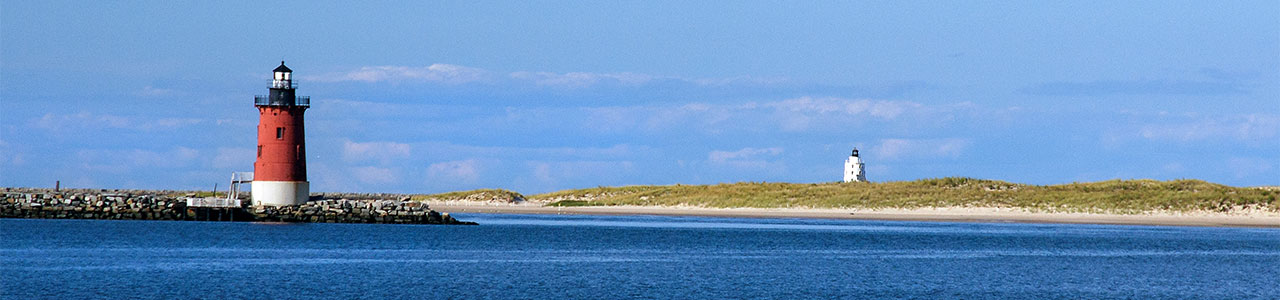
[541, 96]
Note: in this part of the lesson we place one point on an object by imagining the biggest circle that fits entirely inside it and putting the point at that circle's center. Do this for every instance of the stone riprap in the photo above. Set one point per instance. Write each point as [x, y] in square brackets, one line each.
[356, 211]
[138, 205]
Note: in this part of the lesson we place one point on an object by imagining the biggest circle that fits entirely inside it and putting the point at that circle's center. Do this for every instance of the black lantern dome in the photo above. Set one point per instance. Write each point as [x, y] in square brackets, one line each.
[282, 68]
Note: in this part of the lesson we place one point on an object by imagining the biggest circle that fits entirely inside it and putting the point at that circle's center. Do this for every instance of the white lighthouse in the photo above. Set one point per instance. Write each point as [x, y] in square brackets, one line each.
[853, 168]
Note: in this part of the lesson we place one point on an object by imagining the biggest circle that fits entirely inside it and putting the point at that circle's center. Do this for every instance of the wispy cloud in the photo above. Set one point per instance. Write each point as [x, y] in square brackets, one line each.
[796, 114]
[582, 79]
[150, 91]
[740, 80]
[1251, 127]
[126, 160]
[1242, 167]
[384, 152]
[9, 155]
[440, 149]
[745, 157]
[892, 149]
[552, 174]
[440, 73]
[375, 175]
[1135, 87]
[799, 114]
[874, 108]
[86, 120]
[241, 158]
[456, 172]
[587, 79]
[742, 154]
[455, 74]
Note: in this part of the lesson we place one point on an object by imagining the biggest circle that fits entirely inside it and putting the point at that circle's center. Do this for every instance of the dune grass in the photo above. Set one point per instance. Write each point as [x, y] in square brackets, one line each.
[198, 194]
[1112, 196]
[474, 195]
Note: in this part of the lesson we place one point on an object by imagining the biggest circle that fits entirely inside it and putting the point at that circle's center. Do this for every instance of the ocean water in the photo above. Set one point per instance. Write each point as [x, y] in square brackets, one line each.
[550, 256]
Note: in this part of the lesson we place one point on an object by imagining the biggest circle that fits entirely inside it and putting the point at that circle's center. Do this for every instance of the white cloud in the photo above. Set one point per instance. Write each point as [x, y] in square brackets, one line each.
[150, 91]
[660, 118]
[582, 79]
[1252, 127]
[243, 123]
[874, 108]
[127, 160]
[890, 149]
[745, 80]
[86, 120]
[742, 154]
[1242, 167]
[326, 178]
[172, 123]
[586, 79]
[455, 74]
[384, 152]
[349, 108]
[797, 114]
[53, 121]
[542, 173]
[746, 157]
[375, 175]
[459, 171]
[548, 174]
[570, 153]
[9, 155]
[236, 158]
[442, 73]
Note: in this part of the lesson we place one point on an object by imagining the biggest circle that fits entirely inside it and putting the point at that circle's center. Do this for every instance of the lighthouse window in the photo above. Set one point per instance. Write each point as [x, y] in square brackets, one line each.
[259, 150]
[279, 133]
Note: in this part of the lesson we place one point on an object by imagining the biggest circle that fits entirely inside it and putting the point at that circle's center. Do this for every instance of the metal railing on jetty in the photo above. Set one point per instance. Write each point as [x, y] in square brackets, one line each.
[213, 202]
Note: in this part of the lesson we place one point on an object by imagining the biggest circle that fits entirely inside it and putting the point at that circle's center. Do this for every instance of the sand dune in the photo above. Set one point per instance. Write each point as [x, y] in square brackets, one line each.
[975, 214]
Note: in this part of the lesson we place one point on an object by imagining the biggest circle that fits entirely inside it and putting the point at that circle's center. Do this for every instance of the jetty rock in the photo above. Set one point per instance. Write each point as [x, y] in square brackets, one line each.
[176, 205]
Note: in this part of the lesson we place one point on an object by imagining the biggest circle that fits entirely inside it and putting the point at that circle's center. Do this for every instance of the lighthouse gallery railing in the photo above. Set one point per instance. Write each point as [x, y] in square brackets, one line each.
[264, 100]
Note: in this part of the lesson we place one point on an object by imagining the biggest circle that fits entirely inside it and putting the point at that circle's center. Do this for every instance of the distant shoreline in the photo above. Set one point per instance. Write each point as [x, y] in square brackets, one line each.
[952, 199]
[982, 215]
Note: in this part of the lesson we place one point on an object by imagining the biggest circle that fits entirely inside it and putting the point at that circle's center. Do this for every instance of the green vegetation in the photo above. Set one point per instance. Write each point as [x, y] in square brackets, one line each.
[203, 194]
[474, 195]
[567, 203]
[1112, 196]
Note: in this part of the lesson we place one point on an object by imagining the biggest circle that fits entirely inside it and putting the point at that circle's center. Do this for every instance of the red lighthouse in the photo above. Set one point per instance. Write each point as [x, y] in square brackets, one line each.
[280, 172]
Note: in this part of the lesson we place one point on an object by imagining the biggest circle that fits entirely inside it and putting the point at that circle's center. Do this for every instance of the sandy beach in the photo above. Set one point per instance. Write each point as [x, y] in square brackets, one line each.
[1252, 219]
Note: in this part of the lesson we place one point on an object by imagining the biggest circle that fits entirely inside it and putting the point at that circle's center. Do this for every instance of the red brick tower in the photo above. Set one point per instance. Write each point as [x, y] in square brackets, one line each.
[280, 172]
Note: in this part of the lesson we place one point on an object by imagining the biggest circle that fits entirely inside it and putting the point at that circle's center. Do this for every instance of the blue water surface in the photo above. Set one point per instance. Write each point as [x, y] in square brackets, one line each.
[566, 256]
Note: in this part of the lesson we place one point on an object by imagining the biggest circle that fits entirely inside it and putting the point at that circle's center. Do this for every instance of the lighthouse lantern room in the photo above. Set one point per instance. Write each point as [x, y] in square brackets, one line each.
[280, 171]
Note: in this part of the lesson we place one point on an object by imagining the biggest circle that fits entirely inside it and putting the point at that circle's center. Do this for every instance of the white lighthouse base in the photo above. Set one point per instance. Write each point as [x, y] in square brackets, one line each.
[278, 193]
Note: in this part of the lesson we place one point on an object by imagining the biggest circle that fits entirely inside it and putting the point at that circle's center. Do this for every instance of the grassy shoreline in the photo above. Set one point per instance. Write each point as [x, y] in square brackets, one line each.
[1117, 197]
[1105, 197]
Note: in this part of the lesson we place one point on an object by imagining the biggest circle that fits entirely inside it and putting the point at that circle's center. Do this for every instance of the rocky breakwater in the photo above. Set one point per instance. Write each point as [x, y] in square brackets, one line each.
[80, 204]
[169, 205]
[356, 211]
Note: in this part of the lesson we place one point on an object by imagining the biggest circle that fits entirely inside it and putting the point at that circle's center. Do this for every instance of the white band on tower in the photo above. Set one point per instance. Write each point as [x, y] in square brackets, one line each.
[277, 193]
